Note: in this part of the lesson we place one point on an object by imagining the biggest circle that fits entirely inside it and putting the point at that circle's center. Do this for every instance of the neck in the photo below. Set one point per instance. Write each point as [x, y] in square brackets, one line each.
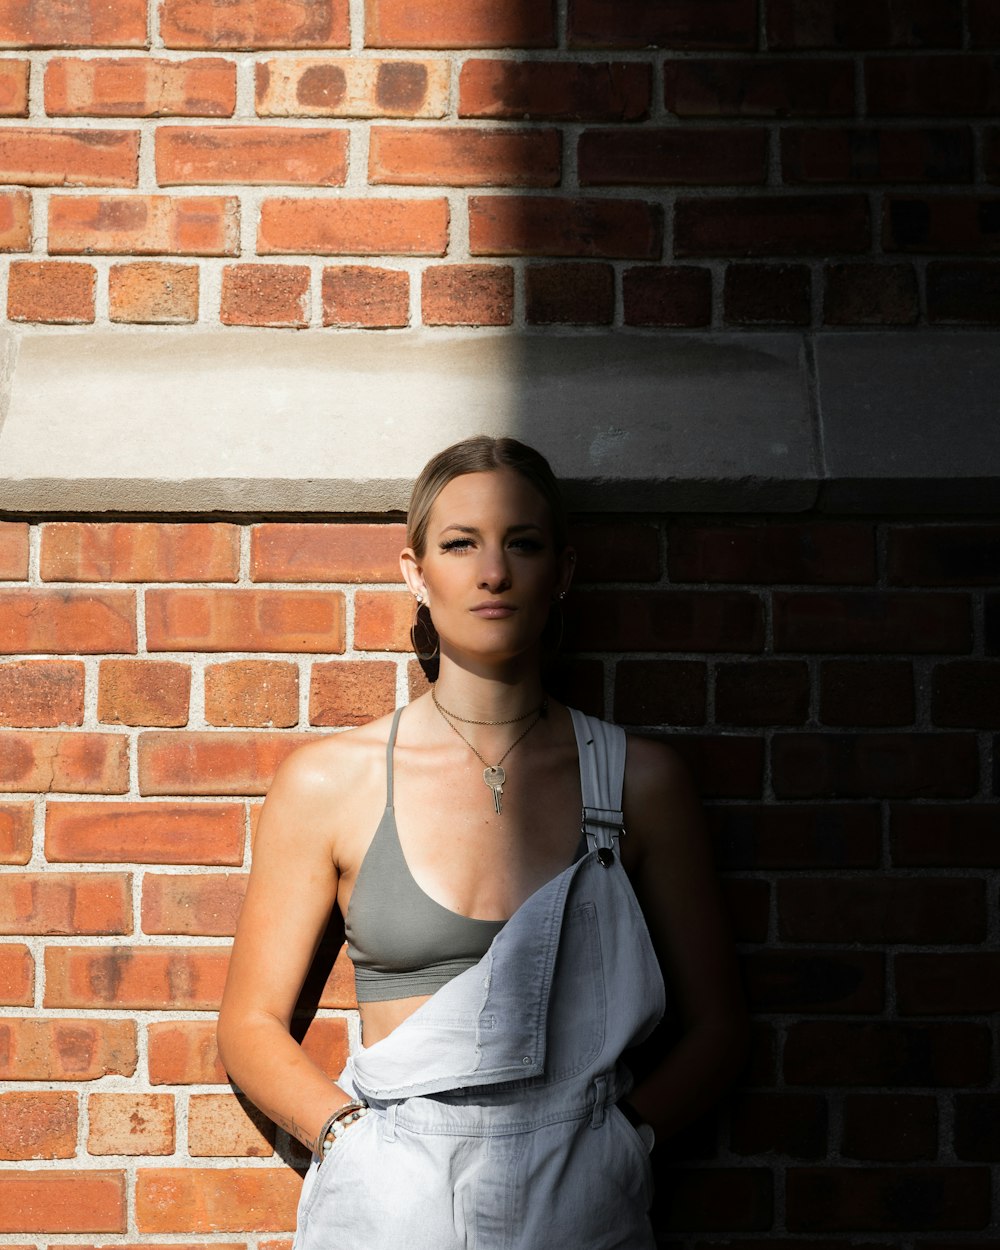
[488, 697]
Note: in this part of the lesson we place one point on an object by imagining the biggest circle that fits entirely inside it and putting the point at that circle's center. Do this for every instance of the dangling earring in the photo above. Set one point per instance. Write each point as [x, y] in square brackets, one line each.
[424, 638]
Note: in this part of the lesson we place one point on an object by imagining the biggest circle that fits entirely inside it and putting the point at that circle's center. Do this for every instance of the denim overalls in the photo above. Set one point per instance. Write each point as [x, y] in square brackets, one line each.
[493, 1123]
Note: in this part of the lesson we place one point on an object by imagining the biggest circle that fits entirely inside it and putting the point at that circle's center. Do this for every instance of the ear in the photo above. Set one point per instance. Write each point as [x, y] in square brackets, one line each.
[567, 565]
[411, 569]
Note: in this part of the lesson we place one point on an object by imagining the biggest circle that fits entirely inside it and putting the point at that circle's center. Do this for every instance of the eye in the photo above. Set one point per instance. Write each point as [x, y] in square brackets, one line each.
[456, 544]
[529, 545]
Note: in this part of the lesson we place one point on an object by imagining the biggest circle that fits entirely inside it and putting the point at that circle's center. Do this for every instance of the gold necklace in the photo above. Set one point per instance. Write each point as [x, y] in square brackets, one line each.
[493, 775]
[467, 720]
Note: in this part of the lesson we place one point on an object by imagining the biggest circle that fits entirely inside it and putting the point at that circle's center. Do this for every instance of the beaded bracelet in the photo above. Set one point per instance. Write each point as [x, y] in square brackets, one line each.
[338, 1124]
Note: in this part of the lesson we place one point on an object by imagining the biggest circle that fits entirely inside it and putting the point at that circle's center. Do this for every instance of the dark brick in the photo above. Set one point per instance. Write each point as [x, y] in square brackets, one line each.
[747, 906]
[881, 910]
[977, 1127]
[944, 555]
[763, 692]
[660, 692]
[789, 836]
[771, 225]
[741, 87]
[617, 91]
[872, 621]
[672, 156]
[570, 294]
[897, 1128]
[786, 1124]
[877, 155]
[866, 692]
[845, 982]
[616, 551]
[984, 23]
[992, 620]
[674, 620]
[870, 295]
[825, 1200]
[767, 295]
[667, 295]
[662, 24]
[948, 985]
[875, 765]
[964, 291]
[938, 836]
[966, 694]
[833, 1052]
[929, 86]
[943, 223]
[830, 554]
[570, 226]
[761, 1064]
[864, 24]
[718, 1199]
[724, 766]
[575, 682]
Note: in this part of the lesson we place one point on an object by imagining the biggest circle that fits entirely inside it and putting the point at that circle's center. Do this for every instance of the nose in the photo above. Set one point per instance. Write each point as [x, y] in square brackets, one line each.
[493, 573]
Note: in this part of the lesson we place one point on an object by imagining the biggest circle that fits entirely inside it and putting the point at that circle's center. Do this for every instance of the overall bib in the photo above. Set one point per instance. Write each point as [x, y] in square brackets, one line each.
[493, 1122]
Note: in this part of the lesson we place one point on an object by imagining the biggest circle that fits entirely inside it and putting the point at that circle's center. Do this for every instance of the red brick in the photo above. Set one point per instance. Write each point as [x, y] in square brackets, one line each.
[214, 762]
[63, 762]
[984, 24]
[964, 291]
[943, 86]
[15, 221]
[966, 693]
[724, 766]
[144, 225]
[258, 694]
[941, 224]
[814, 836]
[877, 155]
[660, 692]
[143, 692]
[37, 1125]
[977, 1127]
[130, 1124]
[69, 158]
[871, 621]
[935, 835]
[473, 24]
[943, 555]
[265, 295]
[62, 1201]
[570, 294]
[348, 227]
[34, 903]
[948, 985]
[885, 1199]
[183, 1052]
[66, 1050]
[16, 832]
[73, 23]
[250, 155]
[863, 24]
[137, 551]
[478, 295]
[663, 23]
[753, 87]
[325, 552]
[352, 87]
[616, 551]
[667, 295]
[897, 1128]
[366, 297]
[13, 550]
[673, 156]
[460, 156]
[351, 692]
[674, 620]
[245, 24]
[145, 833]
[153, 292]
[81, 621]
[768, 295]
[193, 904]
[855, 766]
[41, 694]
[139, 87]
[188, 978]
[818, 553]
[14, 88]
[872, 295]
[17, 976]
[717, 1198]
[764, 692]
[771, 225]
[866, 692]
[881, 910]
[820, 980]
[223, 1125]
[244, 620]
[194, 1200]
[834, 1052]
[609, 91]
[62, 294]
[557, 226]
[382, 620]
[788, 1124]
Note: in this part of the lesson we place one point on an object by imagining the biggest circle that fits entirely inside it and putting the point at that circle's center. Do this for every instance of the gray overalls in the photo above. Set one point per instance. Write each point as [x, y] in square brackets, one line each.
[495, 1125]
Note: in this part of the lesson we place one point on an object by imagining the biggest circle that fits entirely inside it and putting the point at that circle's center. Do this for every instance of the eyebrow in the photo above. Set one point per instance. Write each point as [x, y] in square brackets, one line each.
[511, 529]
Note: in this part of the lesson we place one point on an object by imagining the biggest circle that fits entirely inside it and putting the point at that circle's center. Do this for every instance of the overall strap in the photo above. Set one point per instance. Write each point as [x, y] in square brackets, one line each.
[388, 756]
[601, 749]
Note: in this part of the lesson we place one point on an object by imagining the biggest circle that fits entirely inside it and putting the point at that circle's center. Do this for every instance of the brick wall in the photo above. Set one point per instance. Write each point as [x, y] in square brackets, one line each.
[834, 682]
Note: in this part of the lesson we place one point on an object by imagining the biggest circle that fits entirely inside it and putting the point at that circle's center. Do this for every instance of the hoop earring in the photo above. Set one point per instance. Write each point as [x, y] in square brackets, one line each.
[425, 641]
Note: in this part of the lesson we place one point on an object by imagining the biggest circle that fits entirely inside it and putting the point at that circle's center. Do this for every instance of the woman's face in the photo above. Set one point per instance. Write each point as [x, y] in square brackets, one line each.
[490, 570]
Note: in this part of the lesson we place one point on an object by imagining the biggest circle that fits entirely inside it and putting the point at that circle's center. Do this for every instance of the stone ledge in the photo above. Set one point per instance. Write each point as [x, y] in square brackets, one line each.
[259, 421]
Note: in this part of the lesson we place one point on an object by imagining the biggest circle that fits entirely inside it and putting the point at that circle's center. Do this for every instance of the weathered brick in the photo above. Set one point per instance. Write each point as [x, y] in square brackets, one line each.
[79, 23]
[17, 976]
[143, 692]
[921, 86]
[62, 1201]
[252, 693]
[875, 765]
[69, 158]
[51, 291]
[675, 620]
[837, 1199]
[214, 762]
[14, 88]
[667, 295]
[787, 1124]
[820, 553]
[139, 87]
[382, 620]
[789, 836]
[745, 87]
[845, 982]
[183, 1052]
[641, 24]
[348, 227]
[38, 1125]
[65, 903]
[866, 692]
[871, 621]
[965, 291]
[325, 552]
[15, 221]
[473, 24]
[13, 550]
[943, 555]
[193, 904]
[767, 295]
[130, 1124]
[871, 295]
[931, 835]
[351, 692]
[942, 223]
[771, 225]
[153, 292]
[144, 833]
[41, 694]
[245, 24]
[224, 1125]
[673, 156]
[948, 985]
[886, 1053]
[610, 91]
[895, 1128]
[660, 692]
[480, 295]
[244, 620]
[863, 24]
[144, 225]
[351, 87]
[517, 225]
[139, 551]
[195, 1200]
[250, 155]
[16, 832]
[881, 910]
[265, 295]
[765, 692]
[367, 297]
[63, 762]
[461, 156]
[977, 1127]
[570, 294]
[877, 155]
[66, 1050]
[188, 978]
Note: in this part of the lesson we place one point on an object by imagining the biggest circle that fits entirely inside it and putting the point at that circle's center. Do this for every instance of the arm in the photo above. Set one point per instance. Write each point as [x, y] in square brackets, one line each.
[292, 889]
[671, 869]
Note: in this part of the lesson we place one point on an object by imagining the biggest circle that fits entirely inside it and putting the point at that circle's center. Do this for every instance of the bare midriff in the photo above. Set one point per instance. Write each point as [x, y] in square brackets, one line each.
[379, 1019]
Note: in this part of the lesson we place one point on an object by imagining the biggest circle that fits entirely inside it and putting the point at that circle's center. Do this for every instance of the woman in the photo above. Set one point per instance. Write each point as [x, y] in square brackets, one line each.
[504, 955]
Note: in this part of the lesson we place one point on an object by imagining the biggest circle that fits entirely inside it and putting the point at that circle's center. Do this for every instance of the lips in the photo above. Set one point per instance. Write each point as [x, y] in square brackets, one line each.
[493, 609]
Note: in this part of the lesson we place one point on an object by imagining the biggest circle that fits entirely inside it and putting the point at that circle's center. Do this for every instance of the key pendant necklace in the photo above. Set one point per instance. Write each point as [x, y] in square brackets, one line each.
[493, 774]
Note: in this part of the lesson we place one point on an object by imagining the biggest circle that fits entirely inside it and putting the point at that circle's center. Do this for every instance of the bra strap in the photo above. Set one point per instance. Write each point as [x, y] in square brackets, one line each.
[601, 749]
[388, 756]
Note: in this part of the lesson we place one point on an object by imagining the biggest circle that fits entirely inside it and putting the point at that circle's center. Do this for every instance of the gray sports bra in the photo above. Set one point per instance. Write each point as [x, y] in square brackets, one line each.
[400, 940]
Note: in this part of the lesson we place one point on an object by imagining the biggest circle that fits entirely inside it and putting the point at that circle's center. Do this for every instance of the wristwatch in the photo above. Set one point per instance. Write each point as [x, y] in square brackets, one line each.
[338, 1124]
